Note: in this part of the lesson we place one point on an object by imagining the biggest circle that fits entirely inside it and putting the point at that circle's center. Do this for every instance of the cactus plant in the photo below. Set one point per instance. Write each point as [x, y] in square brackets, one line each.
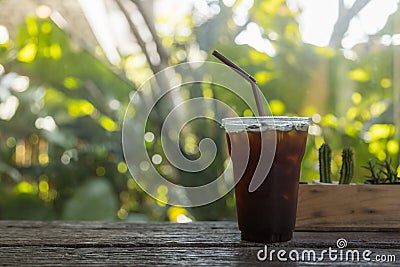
[325, 158]
[375, 177]
[347, 169]
[390, 172]
[385, 173]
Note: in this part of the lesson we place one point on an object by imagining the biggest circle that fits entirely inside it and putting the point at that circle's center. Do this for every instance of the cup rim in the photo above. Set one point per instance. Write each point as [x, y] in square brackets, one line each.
[266, 122]
[268, 118]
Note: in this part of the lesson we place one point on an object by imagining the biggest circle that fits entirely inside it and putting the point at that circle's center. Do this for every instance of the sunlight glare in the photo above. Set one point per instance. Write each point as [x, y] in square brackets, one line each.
[396, 39]
[318, 18]
[96, 14]
[4, 35]
[8, 108]
[20, 84]
[252, 37]
[47, 123]
[43, 11]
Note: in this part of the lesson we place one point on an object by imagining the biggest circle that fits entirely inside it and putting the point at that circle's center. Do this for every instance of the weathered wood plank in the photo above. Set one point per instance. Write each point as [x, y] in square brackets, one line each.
[214, 234]
[349, 207]
[150, 256]
[142, 244]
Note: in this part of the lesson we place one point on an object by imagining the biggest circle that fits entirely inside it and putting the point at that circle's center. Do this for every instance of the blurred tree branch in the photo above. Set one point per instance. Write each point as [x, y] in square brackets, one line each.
[160, 48]
[161, 77]
[343, 22]
[139, 39]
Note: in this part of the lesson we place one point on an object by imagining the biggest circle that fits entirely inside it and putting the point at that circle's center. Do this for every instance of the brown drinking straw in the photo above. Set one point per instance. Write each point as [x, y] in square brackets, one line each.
[245, 75]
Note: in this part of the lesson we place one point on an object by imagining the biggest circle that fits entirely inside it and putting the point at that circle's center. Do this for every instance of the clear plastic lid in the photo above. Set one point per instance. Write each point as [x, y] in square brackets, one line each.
[279, 123]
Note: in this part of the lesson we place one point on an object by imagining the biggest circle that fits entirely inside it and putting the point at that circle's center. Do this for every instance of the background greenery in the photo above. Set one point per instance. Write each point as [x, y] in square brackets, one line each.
[60, 151]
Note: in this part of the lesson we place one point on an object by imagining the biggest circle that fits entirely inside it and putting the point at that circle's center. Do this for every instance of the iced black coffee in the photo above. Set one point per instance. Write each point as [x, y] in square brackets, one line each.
[266, 154]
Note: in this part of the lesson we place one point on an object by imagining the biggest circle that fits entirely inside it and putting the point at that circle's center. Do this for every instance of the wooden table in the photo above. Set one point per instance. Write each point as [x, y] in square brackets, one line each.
[143, 244]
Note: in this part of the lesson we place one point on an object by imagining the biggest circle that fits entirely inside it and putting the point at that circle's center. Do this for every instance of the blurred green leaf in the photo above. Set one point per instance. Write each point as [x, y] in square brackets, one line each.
[25, 207]
[93, 200]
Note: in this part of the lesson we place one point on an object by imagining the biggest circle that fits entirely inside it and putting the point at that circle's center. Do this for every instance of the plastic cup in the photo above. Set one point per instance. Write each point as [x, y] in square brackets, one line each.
[269, 151]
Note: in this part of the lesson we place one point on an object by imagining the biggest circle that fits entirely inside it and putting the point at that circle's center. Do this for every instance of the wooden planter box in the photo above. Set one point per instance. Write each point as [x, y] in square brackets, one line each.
[348, 207]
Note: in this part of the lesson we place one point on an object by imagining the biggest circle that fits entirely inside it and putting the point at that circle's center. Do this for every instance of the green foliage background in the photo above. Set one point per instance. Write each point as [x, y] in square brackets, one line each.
[77, 171]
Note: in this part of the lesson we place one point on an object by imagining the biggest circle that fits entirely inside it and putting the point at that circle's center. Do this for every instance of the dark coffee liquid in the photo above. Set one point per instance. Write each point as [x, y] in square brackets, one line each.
[269, 213]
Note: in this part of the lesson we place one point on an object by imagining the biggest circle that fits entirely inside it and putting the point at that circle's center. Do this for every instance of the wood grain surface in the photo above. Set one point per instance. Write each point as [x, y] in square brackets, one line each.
[161, 244]
[349, 207]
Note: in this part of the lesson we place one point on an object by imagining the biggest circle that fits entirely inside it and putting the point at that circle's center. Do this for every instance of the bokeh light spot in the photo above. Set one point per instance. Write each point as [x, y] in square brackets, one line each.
[156, 159]
[11, 142]
[356, 98]
[43, 159]
[4, 35]
[247, 113]
[174, 212]
[393, 146]
[100, 171]
[208, 93]
[28, 53]
[122, 168]
[386, 83]
[44, 186]
[149, 137]
[108, 124]
[277, 107]
[43, 11]
[162, 190]
[359, 75]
